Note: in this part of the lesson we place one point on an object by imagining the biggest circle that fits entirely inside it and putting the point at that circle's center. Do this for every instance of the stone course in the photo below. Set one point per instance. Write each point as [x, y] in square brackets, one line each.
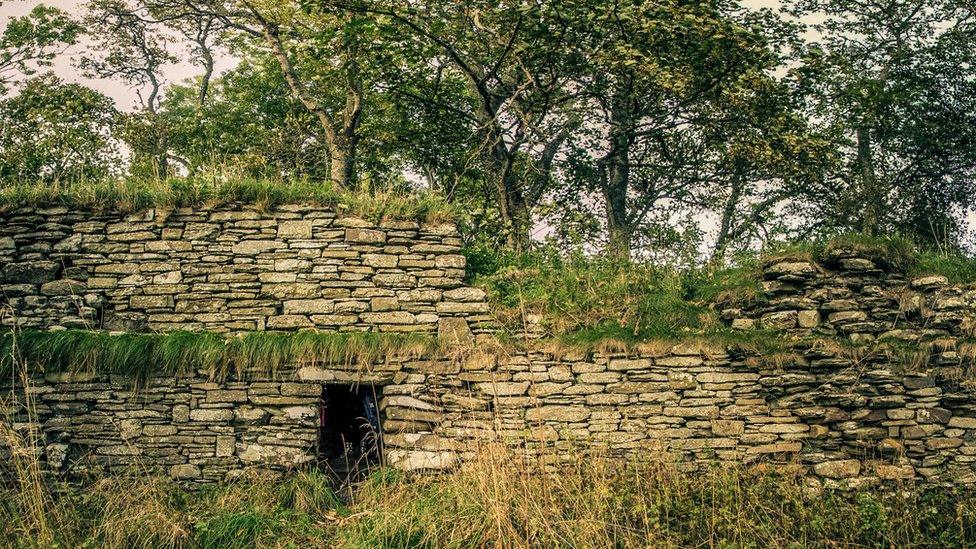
[230, 269]
[834, 402]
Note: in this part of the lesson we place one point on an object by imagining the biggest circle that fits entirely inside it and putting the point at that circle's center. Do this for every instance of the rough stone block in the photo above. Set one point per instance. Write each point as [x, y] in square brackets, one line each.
[295, 229]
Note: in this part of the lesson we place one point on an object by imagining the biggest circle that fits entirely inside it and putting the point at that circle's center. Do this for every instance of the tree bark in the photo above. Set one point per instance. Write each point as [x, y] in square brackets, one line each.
[514, 211]
[728, 215]
[870, 192]
[617, 181]
[341, 142]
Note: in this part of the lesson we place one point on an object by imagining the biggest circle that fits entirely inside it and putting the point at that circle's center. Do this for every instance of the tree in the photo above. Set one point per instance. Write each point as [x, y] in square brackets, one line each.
[54, 131]
[248, 120]
[678, 102]
[34, 40]
[514, 59]
[319, 52]
[893, 83]
[132, 50]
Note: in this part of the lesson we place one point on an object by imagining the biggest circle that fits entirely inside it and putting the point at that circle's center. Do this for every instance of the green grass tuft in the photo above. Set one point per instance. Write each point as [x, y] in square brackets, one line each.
[134, 195]
[143, 355]
[582, 301]
[958, 269]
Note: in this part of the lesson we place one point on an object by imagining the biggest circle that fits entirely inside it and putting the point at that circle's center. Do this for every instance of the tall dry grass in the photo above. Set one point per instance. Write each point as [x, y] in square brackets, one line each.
[499, 500]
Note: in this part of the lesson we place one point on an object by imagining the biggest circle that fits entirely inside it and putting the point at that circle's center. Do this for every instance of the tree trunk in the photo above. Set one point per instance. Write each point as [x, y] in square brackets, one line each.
[515, 214]
[162, 164]
[342, 160]
[617, 183]
[728, 215]
[618, 228]
[871, 194]
[513, 209]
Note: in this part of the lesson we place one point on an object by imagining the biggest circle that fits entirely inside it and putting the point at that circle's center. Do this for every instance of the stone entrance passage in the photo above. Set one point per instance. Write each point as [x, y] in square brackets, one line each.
[349, 440]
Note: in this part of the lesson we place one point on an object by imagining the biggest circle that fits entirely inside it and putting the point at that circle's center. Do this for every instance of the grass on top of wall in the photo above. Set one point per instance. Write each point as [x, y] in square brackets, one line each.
[587, 299]
[584, 300]
[142, 355]
[134, 195]
[894, 253]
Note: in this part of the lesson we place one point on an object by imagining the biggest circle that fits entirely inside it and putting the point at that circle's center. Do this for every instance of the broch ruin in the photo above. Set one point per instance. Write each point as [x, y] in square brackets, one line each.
[847, 417]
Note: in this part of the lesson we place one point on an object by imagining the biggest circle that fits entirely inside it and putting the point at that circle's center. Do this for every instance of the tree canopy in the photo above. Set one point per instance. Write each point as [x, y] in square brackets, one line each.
[680, 130]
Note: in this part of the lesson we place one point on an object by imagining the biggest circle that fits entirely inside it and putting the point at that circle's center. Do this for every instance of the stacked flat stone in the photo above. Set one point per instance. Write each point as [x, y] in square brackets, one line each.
[233, 268]
[846, 416]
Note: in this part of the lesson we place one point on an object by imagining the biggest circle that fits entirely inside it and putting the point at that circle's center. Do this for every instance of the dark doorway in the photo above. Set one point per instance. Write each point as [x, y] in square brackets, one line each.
[349, 430]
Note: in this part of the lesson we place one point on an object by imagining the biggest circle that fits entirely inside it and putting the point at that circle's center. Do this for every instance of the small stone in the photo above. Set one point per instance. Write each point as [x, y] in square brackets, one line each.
[211, 415]
[465, 294]
[857, 264]
[254, 247]
[743, 324]
[842, 468]
[802, 269]
[727, 427]
[63, 287]
[894, 472]
[929, 282]
[185, 471]
[381, 261]
[289, 322]
[365, 236]
[780, 320]
[808, 319]
[31, 272]
[415, 460]
[454, 331]
[558, 413]
[151, 302]
[308, 306]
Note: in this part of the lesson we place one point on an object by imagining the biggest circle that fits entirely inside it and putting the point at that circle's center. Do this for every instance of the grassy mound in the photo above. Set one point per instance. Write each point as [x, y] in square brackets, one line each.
[580, 299]
[133, 195]
[893, 253]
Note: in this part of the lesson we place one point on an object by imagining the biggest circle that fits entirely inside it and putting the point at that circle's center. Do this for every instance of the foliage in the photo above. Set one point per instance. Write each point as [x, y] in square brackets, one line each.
[500, 501]
[957, 268]
[248, 120]
[893, 88]
[580, 299]
[34, 40]
[681, 111]
[132, 195]
[140, 356]
[53, 131]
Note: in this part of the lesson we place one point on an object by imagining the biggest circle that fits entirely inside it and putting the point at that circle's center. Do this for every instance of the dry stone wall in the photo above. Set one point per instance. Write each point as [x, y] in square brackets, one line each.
[872, 382]
[232, 268]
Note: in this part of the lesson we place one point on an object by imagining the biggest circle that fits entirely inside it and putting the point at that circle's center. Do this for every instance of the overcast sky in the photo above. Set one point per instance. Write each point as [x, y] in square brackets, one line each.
[124, 96]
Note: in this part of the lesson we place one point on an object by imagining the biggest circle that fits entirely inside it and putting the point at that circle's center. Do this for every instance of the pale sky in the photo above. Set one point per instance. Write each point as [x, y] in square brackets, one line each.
[124, 96]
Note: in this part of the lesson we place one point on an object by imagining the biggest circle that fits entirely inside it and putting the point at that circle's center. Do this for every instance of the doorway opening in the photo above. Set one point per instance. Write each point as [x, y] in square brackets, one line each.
[350, 442]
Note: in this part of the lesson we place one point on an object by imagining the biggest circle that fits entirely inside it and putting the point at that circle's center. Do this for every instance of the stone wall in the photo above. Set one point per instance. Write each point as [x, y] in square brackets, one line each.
[871, 382]
[229, 269]
[847, 420]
